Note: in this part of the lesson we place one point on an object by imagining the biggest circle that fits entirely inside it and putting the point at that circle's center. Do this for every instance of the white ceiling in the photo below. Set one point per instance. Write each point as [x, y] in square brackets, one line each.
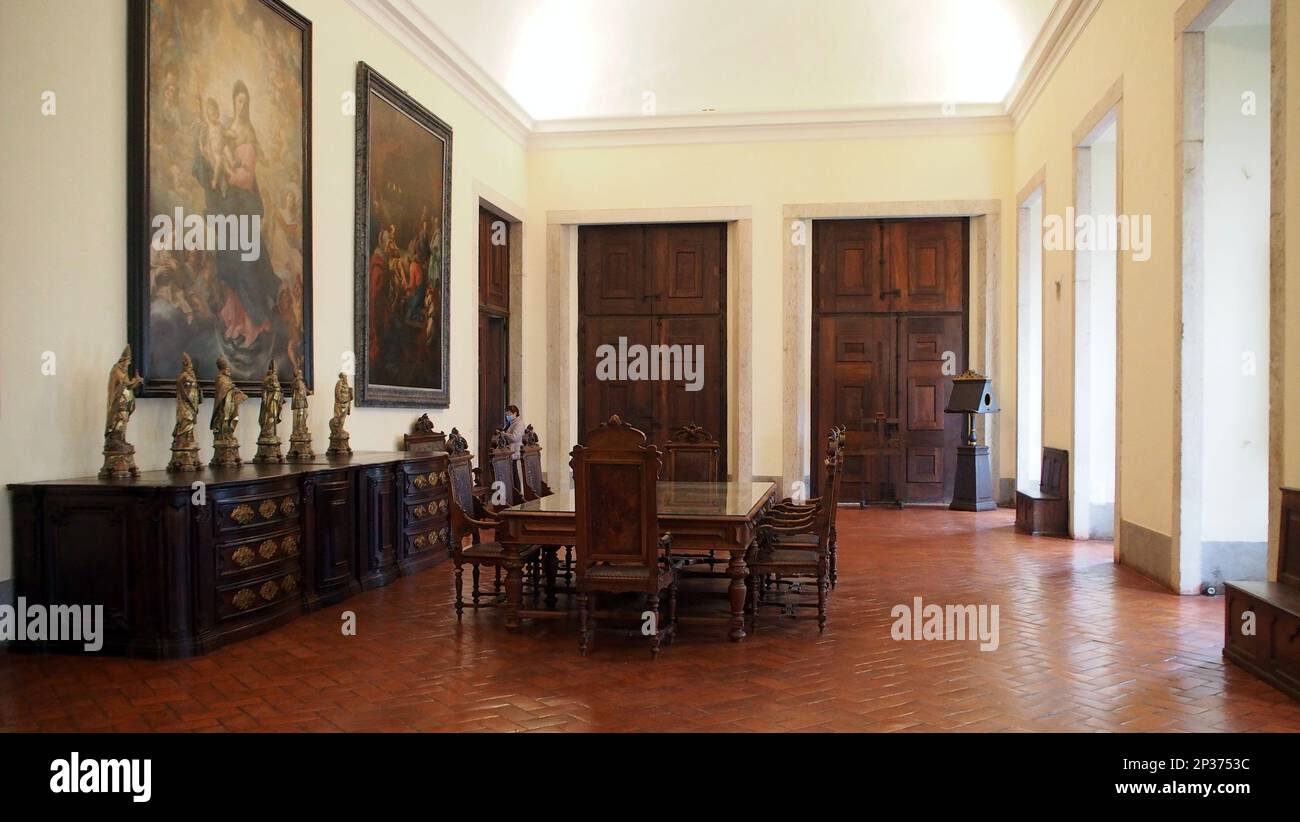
[585, 59]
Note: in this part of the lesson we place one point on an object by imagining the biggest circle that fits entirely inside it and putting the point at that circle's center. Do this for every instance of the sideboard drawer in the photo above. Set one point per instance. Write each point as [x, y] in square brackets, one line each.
[256, 596]
[266, 505]
[256, 553]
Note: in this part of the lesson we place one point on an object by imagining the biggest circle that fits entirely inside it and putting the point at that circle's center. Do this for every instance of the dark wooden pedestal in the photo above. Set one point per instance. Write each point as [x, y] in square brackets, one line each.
[972, 488]
[184, 563]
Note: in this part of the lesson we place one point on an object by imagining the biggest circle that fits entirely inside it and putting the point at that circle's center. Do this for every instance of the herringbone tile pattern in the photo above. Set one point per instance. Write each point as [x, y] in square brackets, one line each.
[1084, 645]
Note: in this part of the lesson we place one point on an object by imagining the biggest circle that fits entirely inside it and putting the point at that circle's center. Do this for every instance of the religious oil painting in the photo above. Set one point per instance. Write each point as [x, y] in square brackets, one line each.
[219, 189]
[403, 204]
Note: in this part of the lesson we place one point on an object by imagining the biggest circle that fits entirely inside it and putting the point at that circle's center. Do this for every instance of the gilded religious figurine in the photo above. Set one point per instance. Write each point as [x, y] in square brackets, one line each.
[185, 451]
[342, 407]
[300, 439]
[119, 455]
[225, 416]
[268, 440]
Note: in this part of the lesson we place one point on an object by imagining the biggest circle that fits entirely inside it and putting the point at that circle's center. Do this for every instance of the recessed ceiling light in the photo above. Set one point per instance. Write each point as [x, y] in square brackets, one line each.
[707, 110]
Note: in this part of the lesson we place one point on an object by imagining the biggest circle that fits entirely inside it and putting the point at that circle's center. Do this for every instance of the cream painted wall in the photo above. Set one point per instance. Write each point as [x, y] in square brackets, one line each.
[62, 234]
[766, 177]
[1132, 42]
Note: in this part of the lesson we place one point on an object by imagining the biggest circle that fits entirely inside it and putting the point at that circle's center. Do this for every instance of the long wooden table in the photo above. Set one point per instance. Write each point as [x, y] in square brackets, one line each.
[717, 516]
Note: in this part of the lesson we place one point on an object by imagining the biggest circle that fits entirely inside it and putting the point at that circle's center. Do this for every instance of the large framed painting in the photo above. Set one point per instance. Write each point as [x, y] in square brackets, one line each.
[219, 189]
[402, 238]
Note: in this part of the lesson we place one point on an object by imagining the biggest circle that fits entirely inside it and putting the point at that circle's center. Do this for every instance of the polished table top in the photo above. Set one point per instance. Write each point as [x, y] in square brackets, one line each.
[676, 499]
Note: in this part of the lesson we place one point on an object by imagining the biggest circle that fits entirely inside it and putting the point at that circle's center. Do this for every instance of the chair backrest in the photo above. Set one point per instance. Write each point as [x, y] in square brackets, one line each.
[530, 459]
[691, 455]
[615, 476]
[825, 520]
[502, 456]
[835, 442]
[460, 476]
[1054, 475]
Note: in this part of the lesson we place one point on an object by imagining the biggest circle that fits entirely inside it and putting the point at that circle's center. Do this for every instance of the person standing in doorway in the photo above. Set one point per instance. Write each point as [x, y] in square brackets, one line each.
[514, 432]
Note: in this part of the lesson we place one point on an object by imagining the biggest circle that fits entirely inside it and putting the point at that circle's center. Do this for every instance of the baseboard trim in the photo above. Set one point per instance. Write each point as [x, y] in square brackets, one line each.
[1148, 552]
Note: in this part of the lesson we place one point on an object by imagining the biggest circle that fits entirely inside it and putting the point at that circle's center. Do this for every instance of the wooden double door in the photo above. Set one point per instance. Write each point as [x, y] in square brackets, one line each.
[889, 334]
[652, 327]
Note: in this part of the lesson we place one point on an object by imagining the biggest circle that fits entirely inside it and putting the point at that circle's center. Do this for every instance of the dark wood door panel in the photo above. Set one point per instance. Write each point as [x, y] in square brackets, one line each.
[889, 302]
[698, 396]
[853, 382]
[849, 264]
[613, 272]
[931, 436]
[685, 268]
[926, 261]
[654, 285]
[493, 378]
[493, 261]
[603, 393]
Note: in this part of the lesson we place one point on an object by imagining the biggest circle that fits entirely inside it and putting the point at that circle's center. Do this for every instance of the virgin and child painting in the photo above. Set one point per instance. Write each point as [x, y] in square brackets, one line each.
[219, 188]
[403, 203]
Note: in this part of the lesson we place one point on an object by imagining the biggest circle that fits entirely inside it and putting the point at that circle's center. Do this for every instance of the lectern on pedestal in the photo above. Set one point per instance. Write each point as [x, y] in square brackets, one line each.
[972, 490]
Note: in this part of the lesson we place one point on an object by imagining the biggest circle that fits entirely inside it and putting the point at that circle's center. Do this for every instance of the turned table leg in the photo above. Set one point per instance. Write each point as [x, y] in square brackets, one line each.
[514, 591]
[737, 571]
[551, 564]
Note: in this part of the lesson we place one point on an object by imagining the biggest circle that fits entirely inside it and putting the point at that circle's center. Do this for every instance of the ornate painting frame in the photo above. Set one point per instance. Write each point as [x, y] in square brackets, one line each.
[370, 252]
[142, 155]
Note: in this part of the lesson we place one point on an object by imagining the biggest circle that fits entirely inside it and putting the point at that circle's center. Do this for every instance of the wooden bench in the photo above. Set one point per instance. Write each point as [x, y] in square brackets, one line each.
[1045, 511]
[1272, 650]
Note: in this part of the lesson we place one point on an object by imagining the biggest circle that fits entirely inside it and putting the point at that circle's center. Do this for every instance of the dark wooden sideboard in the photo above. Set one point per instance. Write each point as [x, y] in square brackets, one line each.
[181, 570]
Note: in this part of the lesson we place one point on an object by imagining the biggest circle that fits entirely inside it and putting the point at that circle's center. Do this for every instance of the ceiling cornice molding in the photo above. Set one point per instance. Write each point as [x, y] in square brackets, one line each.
[412, 28]
[1065, 23]
[796, 128]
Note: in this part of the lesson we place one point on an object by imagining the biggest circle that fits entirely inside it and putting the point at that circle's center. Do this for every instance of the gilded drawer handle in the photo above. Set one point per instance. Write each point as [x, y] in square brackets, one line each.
[267, 509]
[420, 481]
[419, 541]
[419, 511]
[268, 548]
[290, 583]
[287, 506]
[242, 514]
[243, 599]
[242, 556]
[290, 546]
[269, 590]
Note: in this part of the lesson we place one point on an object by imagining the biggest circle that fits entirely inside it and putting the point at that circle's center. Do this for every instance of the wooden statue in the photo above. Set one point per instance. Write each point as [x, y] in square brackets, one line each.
[300, 439]
[268, 440]
[185, 451]
[342, 407]
[225, 417]
[119, 455]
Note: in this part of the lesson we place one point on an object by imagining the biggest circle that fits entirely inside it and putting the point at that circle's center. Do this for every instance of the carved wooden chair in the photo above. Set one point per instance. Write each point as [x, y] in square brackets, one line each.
[534, 487]
[783, 550]
[692, 455]
[501, 469]
[789, 512]
[619, 547]
[530, 460]
[468, 520]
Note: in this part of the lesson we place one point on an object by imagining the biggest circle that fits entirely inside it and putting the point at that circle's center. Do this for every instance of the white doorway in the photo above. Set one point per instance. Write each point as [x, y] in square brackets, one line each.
[1029, 339]
[1096, 194]
[1224, 490]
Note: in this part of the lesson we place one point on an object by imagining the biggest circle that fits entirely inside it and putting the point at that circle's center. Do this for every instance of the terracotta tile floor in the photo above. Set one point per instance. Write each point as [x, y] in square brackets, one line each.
[1085, 645]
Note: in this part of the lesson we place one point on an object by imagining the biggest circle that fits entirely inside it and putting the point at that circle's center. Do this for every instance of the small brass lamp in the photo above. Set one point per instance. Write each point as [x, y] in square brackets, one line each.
[972, 394]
